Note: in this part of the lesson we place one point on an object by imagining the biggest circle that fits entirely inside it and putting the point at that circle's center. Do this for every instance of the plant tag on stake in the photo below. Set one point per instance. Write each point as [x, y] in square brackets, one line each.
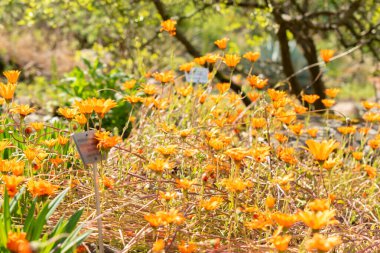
[86, 146]
[197, 75]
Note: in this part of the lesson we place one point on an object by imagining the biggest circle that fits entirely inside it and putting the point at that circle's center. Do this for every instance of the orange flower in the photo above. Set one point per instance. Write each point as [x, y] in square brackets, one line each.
[260, 154]
[102, 106]
[374, 143]
[41, 188]
[167, 195]
[276, 95]
[319, 205]
[160, 165]
[167, 150]
[287, 155]
[200, 60]
[256, 81]
[105, 141]
[4, 144]
[281, 243]
[37, 125]
[258, 122]
[235, 185]
[332, 93]
[237, 154]
[62, 140]
[296, 128]
[185, 91]
[328, 102]
[286, 117]
[285, 220]
[129, 84]
[108, 182]
[357, 155]
[345, 130]
[12, 76]
[321, 150]
[317, 220]
[184, 183]
[300, 109]
[322, 243]
[17, 243]
[270, 202]
[211, 58]
[67, 113]
[368, 105]
[169, 26]
[371, 171]
[164, 77]
[223, 87]
[85, 107]
[222, 43]
[7, 91]
[11, 182]
[211, 204]
[187, 247]
[312, 132]
[327, 54]
[81, 119]
[280, 137]
[231, 60]
[158, 246]
[22, 110]
[186, 67]
[371, 116]
[253, 96]
[310, 98]
[329, 164]
[252, 56]
[133, 99]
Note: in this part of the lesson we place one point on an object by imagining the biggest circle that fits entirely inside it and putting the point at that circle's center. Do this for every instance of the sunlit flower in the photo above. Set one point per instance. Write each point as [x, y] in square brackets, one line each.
[41, 188]
[4, 144]
[368, 105]
[222, 43]
[260, 154]
[169, 26]
[133, 99]
[22, 110]
[328, 102]
[129, 84]
[186, 67]
[253, 96]
[185, 91]
[167, 195]
[287, 155]
[285, 220]
[345, 130]
[322, 243]
[319, 205]
[235, 185]
[327, 54]
[296, 128]
[371, 116]
[184, 183]
[321, 150]
[17, 243]
[252, 56]
[312, 132]
[310, 98]
[158, 246]
[270, 202]
[280, 137]
[11, 183]
[329, 164]
[105, 141]
[81, 119]
[164, 77]
[102, 106]
[257, 82]
[187, 247]
[12, 76]
[200, 60]
[211, 204]
[62, 140]
[37, 125]
[223, 87]
[108, 182]
[371, 171]
[318, 220]
[332, 93]
[374, 143]
[281, 243]
[237, 154]
[160, 165]
[276, 95]
[357, 155]
[7, 91]
[167, 150]
[300, 109]
[85, 107]
[68, 113]
[231, 60]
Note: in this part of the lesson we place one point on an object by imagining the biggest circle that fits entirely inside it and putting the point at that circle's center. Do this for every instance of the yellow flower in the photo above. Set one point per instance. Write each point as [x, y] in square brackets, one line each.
[322, 243]
[7, 91]
[85, 106]
[371, 171]
[4, 144]
[160, 165]
[235, 184]
[270, 202]
[167, 195]
[276, 95]
[200, 60]
[345, 130]
[105, 141]
[327, 54]
[102, 106]
[223, 87]
[184, 183]
[185, 91]
[252, 56]
[257, 82]
[222, 43]
[231, 60]
[312, 132]
[317, 220]
[37, 125]
[187, 247]
[12, 76]
[167, 150]
[22, 110]
[169, 26]
[321, 150]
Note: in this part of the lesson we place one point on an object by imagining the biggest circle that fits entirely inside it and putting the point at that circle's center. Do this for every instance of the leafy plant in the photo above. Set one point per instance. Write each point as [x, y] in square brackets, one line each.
[64, 237]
